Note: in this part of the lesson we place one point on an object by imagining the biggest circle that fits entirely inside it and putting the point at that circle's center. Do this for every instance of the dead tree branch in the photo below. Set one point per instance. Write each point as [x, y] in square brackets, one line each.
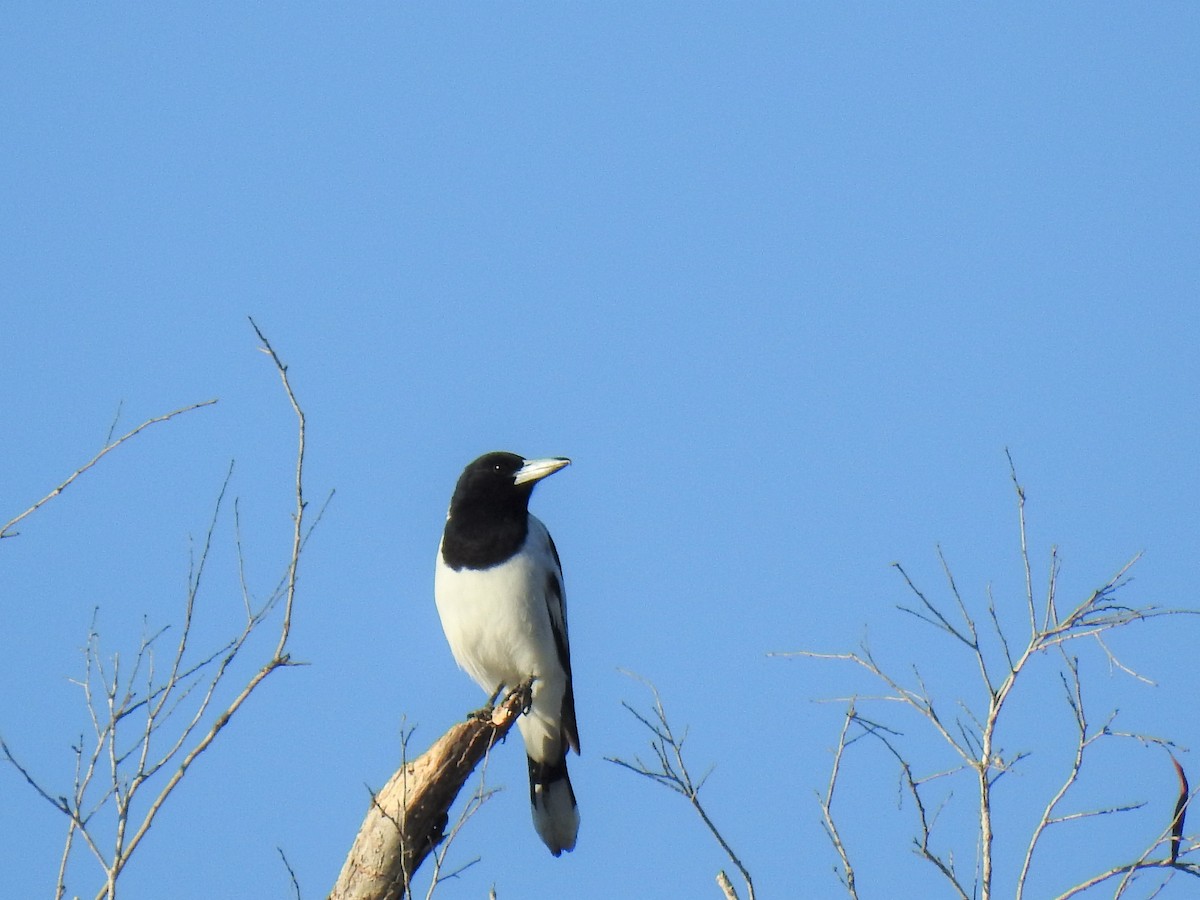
[150, 723]
[109, 446]
[408, 818]
[671, 771]
[971, 733]
[828, 820]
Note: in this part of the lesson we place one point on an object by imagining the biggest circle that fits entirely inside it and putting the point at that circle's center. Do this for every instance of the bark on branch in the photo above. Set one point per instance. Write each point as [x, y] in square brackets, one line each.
[407, 818]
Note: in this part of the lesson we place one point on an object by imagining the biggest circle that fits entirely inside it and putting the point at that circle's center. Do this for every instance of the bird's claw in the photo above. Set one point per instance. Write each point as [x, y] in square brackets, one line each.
[486, 712]
[525, 691]
[483, 714]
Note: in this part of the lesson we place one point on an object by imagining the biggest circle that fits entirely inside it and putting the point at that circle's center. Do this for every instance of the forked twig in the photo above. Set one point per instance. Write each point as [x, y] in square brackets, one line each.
[671, 771]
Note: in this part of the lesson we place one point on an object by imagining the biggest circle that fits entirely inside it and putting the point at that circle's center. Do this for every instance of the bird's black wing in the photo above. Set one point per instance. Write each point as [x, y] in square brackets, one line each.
[556, 606]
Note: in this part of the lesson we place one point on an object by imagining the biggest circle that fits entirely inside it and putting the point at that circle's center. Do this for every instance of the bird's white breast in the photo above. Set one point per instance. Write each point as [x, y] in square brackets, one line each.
[496, 620]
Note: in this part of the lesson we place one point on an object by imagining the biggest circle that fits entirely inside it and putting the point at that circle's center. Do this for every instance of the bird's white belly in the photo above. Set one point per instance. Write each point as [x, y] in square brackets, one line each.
[497, 624]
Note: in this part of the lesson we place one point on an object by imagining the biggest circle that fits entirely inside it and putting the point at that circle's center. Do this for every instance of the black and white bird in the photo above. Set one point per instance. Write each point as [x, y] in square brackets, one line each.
[499, 592]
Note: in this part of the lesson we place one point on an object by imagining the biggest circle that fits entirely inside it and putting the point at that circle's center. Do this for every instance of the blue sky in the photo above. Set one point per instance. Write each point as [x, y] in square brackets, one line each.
[783, 280]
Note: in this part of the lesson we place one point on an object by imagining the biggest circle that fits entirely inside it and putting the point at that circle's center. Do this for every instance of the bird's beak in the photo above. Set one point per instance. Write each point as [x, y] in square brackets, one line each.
[537, 469]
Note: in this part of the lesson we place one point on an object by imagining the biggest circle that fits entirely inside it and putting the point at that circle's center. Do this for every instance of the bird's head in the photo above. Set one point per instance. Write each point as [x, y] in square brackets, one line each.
[501, 480]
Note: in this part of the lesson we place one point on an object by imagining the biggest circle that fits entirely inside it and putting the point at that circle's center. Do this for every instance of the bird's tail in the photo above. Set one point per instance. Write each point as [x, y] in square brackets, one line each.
[555, 814]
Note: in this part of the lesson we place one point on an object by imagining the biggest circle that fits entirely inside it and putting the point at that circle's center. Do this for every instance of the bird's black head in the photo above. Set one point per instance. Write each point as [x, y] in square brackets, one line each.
[488, 517]
[491, 480]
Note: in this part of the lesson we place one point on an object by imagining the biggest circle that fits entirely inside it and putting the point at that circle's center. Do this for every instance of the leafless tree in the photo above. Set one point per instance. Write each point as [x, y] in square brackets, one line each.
[154, 716]
[969, 727]
[1001, 663]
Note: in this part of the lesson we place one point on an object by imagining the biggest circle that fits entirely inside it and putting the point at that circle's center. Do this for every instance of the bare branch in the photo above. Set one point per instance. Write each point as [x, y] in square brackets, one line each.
[298, 516]
[129, 759]
[1074, 690]
[846, 875]
[7, 532]
[1001, 665]
[59, 803]
[726, 886]
[407, 819]
[672, 772]
[475, 802]
[998, 629]
[1126, 870]
[291, 873]
[913, 784]
[933, 615]
[1012, 471]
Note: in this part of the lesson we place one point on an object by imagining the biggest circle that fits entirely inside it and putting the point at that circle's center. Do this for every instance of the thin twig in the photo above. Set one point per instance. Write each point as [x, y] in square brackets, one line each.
[1012, 471]
[672, 772]
[7, 532]
[475, 802]
[291, 873]
[846, 875]
[298, 516]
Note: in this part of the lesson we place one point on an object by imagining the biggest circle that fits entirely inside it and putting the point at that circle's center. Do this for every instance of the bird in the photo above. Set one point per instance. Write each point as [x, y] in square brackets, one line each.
[498, 587]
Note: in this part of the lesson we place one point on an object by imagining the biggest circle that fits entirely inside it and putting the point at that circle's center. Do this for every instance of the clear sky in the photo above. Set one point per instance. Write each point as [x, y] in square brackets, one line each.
[784, 280]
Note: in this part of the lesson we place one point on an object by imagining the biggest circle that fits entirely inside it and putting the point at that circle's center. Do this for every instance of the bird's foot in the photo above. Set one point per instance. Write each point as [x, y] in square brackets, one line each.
[524, 691]
[486, 712]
